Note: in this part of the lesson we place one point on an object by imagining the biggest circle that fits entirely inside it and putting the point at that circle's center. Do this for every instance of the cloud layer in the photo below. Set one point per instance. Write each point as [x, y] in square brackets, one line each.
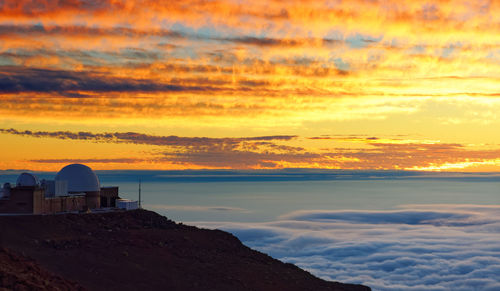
[223, 68]
[418, 247]
[182, 54]
[280, 151]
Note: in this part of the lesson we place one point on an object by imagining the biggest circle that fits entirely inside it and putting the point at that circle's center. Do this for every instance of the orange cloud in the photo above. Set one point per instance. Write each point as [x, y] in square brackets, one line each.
[428, 69]
[271, 152]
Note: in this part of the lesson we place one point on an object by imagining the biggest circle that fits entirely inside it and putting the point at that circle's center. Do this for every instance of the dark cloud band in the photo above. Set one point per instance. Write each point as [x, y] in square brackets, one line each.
[140, 138]
[18, 80]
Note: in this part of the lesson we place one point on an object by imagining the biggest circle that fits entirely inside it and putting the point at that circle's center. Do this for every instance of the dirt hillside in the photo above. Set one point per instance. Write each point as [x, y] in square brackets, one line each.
[141, 250]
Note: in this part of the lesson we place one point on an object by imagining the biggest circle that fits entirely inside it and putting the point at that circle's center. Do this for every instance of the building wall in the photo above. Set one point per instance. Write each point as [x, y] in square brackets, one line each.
[32, 200]
[109, 196]
[22, 200]
[38, 199]
[63, 204]
[93, 200]
[127, 204]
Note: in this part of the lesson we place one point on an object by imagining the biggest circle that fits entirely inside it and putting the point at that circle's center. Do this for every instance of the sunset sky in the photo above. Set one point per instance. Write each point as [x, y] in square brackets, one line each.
[195, 84]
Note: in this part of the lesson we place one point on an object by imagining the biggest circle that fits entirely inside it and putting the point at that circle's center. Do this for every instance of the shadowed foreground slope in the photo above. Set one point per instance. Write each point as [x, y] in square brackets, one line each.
[140, 249]
[20, 273]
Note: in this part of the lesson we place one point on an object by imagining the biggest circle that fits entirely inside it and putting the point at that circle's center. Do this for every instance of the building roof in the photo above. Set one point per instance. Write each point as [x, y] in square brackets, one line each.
[80, 178]
[27, 180]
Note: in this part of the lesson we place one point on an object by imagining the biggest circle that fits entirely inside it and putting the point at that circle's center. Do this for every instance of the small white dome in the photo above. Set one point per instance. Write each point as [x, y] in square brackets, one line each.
[80, 178]
[27, 180]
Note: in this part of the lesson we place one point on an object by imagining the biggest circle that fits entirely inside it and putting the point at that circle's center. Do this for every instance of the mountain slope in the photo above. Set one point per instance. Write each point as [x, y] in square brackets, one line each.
[20, 273]
[142, 250]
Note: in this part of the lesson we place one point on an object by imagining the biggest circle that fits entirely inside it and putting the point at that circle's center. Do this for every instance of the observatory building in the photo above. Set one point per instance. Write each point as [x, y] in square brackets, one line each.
[81, 180]
[75, 188]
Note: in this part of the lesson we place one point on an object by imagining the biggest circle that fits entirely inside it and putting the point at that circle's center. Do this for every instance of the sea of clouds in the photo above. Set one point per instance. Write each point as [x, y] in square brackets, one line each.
[415, 247]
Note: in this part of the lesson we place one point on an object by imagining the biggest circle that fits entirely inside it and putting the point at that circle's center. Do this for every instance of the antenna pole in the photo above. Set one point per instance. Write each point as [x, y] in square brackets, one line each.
[140, 194]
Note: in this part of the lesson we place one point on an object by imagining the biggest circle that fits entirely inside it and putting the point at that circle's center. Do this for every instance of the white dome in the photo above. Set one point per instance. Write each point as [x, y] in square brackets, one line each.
[27, 180]
[80, 178]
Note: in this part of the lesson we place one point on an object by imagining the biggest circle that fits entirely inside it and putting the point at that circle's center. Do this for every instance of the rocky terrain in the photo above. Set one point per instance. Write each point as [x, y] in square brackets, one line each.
[20, 273]
[137, 250]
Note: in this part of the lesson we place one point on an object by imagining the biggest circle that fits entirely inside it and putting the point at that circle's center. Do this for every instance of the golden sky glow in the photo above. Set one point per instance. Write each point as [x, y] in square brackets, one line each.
[250, 84]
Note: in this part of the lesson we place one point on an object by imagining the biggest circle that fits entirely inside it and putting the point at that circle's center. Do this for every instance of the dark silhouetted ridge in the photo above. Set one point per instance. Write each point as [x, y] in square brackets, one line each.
[138, 250]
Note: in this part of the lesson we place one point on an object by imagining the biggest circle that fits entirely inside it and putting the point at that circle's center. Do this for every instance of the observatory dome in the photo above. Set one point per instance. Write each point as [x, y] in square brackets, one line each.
[27, 180]
[80, 178]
